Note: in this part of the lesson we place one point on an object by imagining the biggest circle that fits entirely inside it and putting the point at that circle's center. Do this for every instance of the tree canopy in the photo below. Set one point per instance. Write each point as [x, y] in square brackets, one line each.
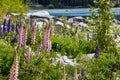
[68, 3]
[9, 6]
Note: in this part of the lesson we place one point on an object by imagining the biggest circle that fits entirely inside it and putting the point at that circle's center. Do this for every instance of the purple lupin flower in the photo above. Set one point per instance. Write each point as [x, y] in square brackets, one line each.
[27, 55]
[5, 29]
[24, 38]
[82, 74]
[96, 55]
[14, 40]
[12, 28]
[33, 35]
[20, 32]
[8, 25]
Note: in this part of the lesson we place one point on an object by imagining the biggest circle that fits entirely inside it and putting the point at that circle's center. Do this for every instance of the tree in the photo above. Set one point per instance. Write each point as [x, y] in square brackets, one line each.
[9, 6]
[102, 22]
[50, 6]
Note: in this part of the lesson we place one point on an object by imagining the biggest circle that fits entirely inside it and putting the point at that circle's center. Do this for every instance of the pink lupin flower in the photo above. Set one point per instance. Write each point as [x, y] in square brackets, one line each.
[48, 35]
[27, 55]
[49, 46]
[33, 34]
[20, 32]
[24, 38]
[40, 47]
[15, 68]
[47, 38]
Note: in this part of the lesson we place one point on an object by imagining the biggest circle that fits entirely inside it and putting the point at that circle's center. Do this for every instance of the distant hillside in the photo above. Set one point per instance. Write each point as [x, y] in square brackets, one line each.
[51, 4]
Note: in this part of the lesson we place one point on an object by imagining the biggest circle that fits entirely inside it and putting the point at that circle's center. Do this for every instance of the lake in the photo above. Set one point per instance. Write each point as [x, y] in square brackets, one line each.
[75, 12]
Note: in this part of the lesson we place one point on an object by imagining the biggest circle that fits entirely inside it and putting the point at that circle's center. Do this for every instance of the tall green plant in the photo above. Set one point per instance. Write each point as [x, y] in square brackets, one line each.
[102, 20]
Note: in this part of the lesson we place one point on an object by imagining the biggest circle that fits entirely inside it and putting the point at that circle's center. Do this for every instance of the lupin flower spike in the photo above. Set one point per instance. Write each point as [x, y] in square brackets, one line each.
[82, 73]
[5, 29]
[15, 68]
[24, 38]
[20, 36]
[40, 47]
[33, 34]
[14, 39]
[47, 42]
[96, 55]
[49, 46]
[46, 39]
[8, 25]
[12, 28]
[27, 55]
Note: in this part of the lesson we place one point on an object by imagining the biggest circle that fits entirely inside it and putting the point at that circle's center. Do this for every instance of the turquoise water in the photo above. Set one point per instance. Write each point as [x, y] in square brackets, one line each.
[70, 12]
[75, 12]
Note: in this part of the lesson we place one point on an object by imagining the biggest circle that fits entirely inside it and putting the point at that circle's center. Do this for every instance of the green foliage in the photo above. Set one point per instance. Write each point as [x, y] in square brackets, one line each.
[12, 6]
[39, 68]
[37, 41]
[36, 7]
[65, 46]
[72, 46]
[101, 68]
[6, 58]
[65, 42]
[50, 6]
[102, 22]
